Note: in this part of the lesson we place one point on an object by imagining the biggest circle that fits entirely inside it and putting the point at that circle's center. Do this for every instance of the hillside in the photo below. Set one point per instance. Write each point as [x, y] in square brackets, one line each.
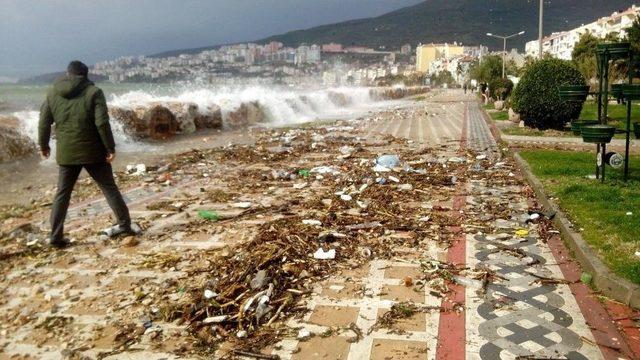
[465, 21]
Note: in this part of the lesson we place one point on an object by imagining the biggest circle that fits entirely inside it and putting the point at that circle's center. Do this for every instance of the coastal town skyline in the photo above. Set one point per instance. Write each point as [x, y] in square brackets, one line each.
[119, 28]
[567, 38]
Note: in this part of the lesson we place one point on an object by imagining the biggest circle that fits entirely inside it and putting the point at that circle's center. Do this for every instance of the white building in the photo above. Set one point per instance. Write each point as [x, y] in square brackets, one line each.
[458, 67]
[561, 44]
[308, 54]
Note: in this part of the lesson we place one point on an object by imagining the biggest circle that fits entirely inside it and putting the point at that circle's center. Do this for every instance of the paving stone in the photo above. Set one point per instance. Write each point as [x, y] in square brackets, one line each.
[339, 316]
[384, 349]
[401, 272]
[319, 348]
[402, 293]
[417, 322]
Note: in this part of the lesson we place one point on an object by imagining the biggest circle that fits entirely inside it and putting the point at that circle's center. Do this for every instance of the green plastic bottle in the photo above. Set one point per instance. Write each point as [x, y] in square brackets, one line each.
[209, 215]
[304, 173]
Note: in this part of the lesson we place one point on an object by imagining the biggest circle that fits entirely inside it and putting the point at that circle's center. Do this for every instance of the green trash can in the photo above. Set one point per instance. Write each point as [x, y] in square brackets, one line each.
[576, 125]
[615, 50]
[631, 92]
[616, 91]
[573, 92]
[598, 134]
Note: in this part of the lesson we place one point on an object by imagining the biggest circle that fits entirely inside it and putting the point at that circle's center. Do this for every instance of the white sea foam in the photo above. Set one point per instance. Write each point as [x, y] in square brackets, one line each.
[29, 127]
[282, 105]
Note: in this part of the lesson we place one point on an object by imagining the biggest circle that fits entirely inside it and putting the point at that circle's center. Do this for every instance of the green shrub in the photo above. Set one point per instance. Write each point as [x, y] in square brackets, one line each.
[501, 88]
[536, 97]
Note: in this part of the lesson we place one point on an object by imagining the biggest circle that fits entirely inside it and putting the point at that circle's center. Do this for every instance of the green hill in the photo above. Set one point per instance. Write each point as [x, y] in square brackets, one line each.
[465, 21]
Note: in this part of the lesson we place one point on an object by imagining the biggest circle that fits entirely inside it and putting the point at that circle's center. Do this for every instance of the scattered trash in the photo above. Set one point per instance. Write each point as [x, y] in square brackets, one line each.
[629, 213]
[398, 311]
[304, 173]
[208, 215]
[312, 222]
[638, 253]
[522, 232]
[380, 168]
[322, 170]
[408, 281]
[369, 225]
[300, 185]
[346, 151]
[405, 187]
[586, 278]
[532, 217]
[242, 205]
[289, 240]
[329, 237]
[481, 157]
[215, 319]
[543, 280]
[259, 280]
[136, 170]
[320, 254]
[303, 334]
[130, 241]
[388, 161]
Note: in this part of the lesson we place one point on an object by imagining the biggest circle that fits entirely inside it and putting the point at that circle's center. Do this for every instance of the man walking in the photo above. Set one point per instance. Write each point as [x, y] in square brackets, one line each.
[83, 140]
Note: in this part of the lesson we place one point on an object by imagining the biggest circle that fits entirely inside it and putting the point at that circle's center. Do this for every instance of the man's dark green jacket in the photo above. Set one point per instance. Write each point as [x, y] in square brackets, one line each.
[79, 111]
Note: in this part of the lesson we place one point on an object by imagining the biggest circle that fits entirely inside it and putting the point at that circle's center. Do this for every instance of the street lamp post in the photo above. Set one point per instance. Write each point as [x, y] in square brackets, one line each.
[504, 47]
[540, 31]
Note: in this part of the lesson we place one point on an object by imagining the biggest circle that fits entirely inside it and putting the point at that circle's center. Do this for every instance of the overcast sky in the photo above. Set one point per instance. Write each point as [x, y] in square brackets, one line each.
[38, 36]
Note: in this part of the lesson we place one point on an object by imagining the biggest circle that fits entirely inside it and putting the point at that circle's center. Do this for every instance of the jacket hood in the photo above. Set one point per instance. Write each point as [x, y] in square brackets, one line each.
[70, 86]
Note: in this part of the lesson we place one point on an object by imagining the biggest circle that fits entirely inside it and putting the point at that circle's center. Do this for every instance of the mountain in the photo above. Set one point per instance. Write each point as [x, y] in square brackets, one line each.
[465, 21]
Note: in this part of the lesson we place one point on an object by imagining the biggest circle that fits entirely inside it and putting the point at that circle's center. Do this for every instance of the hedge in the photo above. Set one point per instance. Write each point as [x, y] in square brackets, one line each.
[536, 97]
[501, 88]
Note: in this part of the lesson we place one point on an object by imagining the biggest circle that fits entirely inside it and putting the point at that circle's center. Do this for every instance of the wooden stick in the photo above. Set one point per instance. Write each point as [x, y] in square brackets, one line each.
[256, 355]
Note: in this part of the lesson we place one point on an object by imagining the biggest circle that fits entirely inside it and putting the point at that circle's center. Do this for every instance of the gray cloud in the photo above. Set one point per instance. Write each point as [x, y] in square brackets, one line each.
[38, 36]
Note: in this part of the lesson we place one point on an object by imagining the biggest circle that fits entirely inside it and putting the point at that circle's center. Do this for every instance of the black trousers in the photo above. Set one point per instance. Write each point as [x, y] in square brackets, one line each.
[102, 174]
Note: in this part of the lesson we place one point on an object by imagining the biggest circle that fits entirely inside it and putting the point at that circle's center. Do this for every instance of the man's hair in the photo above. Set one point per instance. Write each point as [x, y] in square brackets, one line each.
[77, 68]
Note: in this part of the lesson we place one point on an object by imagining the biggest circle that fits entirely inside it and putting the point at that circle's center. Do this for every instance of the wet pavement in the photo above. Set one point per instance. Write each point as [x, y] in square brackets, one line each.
[438, 258]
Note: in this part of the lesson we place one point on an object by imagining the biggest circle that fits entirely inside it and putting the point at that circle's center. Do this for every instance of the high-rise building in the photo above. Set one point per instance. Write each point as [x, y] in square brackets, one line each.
[426, 54]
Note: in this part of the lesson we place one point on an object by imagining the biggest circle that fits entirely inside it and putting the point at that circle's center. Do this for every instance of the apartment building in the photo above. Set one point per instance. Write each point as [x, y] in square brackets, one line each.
[426, 54]
[561, 44]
